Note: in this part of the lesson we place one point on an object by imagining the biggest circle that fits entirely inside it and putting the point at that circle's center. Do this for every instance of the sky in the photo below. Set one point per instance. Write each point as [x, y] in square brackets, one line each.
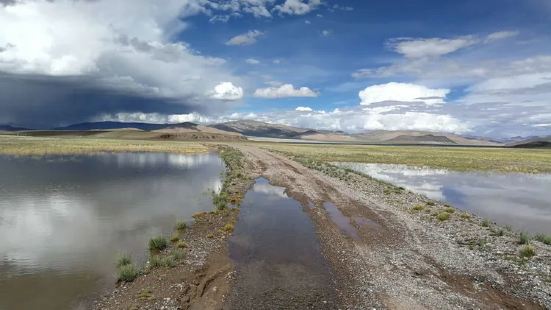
[477, 68]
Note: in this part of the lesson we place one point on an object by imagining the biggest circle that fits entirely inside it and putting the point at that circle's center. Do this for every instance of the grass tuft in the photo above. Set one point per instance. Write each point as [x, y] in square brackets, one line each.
[175, 237]
[418, 208]
[527, 251]
[443, 216]
[158, 244]
[181, 244]
[128, 273]
[543, 238]
[181, 225]
[524, 238]
[449, 210]
[486, 223]
[228, 228]
[124, 259]
[178, 254]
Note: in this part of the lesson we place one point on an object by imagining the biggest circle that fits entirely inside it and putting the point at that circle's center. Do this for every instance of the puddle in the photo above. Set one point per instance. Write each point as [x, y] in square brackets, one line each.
[515, 199]
[277, 253]
[342, 221]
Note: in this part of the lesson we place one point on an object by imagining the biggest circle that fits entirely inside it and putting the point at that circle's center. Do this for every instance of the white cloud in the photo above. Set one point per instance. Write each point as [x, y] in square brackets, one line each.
[430, 47]
[246, 38]
[403, 92]
[285, 90]
[297, 7]
[227, 91]
[326, 33]
[252, 61]
[115, 44]
[500, 35]
[303, 109]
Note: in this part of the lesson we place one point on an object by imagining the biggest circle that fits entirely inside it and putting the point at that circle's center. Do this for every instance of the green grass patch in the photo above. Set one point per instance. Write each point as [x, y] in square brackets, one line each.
[418, 208]
[158, 244]
[123, 259]
[543, 238]
[228, 228]
[128, 273]
[523, 238]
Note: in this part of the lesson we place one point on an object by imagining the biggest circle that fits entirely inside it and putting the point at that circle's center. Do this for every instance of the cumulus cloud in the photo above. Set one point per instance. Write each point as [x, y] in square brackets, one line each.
[101, 48]
[403, 92]
[285, 90]
[297, 7]
[303, 109]
[246, 38]
[227, 91]
[429, 47]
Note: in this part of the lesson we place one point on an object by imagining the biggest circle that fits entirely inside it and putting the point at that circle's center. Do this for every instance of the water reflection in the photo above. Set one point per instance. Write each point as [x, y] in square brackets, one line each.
[277, 253]
[519, 200]
[67, 217]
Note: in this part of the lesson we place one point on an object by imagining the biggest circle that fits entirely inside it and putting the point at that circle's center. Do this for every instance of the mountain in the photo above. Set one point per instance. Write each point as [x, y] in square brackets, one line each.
[534, 142]
[11, 128]
[261, 129]
[124, 125]
[420, 137]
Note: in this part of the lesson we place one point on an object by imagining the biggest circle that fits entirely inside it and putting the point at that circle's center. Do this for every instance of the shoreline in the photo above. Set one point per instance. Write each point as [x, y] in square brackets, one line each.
[399, 249]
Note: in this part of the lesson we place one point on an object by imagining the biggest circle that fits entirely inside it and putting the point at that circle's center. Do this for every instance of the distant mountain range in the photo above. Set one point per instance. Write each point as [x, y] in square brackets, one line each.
[254, 129]
[122, 125]
[11, 128]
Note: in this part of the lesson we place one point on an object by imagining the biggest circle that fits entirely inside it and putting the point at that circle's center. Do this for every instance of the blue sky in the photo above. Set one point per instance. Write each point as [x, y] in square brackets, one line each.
[470, 67]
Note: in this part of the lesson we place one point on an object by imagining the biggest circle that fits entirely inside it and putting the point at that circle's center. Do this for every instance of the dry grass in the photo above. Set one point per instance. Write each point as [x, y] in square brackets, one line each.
[39, 146]
[453, 158]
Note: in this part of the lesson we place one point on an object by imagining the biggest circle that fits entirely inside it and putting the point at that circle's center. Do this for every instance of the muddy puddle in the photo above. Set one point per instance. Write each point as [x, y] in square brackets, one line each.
[277, 255]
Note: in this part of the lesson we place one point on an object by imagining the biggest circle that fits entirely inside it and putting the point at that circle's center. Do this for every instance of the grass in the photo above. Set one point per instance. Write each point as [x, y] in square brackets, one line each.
[128, 273]
[543, 238]
[418, 208]
[158, 244]
[181, 225]
[449, 210]
[158, 261]
[228, 228]
[453, 158]
[181, 244]
[527, 251]
[40, 146]
[443, 216]
[175, 237]
[486, 223]
[123, 259]
[524, 238]
[178, 254]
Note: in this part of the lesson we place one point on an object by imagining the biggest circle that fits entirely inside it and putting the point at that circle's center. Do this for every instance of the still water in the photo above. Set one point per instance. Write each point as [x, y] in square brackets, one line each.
[522, 201]
[277, 254]
[64, 219]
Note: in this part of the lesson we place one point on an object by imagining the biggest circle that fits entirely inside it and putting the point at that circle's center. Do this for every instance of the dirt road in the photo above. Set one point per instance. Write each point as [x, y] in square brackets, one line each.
[392, 258]
[384, 247]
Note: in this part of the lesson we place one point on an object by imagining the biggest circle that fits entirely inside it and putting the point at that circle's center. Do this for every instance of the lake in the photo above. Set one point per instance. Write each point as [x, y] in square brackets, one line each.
[522, 201]
[64, 219]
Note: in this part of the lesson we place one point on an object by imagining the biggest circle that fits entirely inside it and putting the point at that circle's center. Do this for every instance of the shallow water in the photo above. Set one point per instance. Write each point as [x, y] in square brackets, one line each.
[522, 201]
[277, 253]
[64, 219]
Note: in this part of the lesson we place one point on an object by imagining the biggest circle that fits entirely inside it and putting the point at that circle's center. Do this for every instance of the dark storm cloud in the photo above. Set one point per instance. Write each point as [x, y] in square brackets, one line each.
[45, 101]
